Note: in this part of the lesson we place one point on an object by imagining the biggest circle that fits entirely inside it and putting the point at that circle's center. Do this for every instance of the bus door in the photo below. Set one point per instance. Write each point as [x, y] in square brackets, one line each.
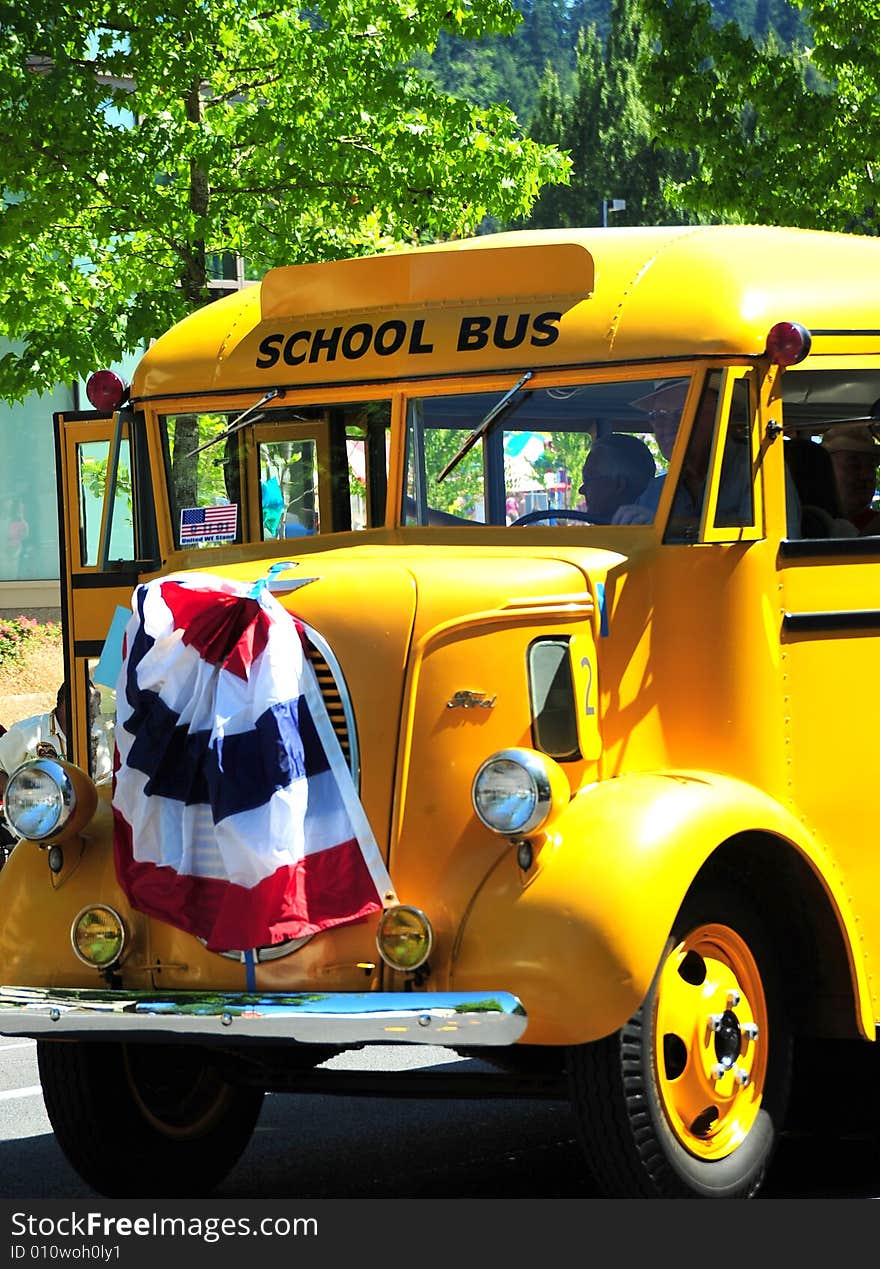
[291, 479]
[319, 469]
[107, 545]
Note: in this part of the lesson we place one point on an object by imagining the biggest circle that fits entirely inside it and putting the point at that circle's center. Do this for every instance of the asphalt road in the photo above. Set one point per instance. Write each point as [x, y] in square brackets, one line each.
[338, 1147]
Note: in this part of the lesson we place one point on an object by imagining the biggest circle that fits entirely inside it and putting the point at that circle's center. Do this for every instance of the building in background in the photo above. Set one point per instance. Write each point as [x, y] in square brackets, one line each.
[29, 560]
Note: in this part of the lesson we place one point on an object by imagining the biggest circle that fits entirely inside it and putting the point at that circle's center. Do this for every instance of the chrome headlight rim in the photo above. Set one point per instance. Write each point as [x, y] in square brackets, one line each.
[123, 936]
[66, 797]
[535, 767]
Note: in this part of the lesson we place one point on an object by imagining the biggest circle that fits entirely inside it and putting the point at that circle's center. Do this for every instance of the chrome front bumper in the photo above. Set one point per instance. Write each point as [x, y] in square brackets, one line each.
[453, 1018]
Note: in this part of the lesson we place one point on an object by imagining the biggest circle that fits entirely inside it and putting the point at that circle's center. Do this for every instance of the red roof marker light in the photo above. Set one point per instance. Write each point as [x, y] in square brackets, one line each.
[106, 390]
[788, 343]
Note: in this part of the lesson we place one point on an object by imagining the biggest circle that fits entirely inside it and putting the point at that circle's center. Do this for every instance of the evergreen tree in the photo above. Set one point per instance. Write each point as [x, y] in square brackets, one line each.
[551, 121]
[583, 124]
[509, 68]
[608, 129]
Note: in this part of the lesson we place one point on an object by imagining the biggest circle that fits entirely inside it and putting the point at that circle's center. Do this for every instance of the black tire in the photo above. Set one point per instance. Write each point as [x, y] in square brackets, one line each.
[638, 1095]
[145, 1120]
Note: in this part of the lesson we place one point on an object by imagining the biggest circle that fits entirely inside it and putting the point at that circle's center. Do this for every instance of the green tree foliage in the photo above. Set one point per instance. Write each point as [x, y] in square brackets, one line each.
[783, 135]
[511, 67]
[609, 132]
[508, 68]
[142, 138]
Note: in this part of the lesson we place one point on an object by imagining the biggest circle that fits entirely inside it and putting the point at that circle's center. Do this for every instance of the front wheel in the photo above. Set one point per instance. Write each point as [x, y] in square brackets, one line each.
[145, 1120]
[687, 1100]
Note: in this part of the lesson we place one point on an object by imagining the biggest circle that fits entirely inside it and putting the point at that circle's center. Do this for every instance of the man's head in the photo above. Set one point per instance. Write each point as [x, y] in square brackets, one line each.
[666, 423]
[700, 440]
[618, 467]
[663, 406]
[855, 456]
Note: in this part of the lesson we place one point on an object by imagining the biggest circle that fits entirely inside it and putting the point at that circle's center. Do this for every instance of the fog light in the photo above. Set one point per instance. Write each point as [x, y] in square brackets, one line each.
[98, 936]
[404, 937]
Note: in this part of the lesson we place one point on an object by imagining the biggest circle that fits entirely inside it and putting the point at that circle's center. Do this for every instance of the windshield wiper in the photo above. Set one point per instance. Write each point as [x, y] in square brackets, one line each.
[499, 408]
[238, 422]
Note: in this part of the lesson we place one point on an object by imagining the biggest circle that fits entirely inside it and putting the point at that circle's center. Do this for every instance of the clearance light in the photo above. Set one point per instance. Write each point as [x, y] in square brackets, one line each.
[97, 936]
[106, 390]
[404, 937]
[515, 790]
[788, 343]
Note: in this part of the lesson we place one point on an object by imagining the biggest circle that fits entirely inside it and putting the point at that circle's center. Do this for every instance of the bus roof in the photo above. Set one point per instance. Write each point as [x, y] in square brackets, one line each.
[529, 298]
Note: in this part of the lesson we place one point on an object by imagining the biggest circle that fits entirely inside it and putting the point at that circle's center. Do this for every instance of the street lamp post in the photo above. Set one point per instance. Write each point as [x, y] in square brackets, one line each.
[611, 205]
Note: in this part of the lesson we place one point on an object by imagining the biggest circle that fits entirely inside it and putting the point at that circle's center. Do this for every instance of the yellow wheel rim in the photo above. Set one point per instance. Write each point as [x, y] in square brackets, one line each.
[177, 1101]
[711, 1041]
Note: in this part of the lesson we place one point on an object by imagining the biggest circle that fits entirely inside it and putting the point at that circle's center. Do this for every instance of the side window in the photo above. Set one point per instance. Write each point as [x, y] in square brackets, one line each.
[831, 420]
[735, 507]
[91, 474]
[690, 492]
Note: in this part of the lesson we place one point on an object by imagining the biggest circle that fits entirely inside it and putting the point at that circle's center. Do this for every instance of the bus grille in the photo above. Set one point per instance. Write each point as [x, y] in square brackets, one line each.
[336, 698]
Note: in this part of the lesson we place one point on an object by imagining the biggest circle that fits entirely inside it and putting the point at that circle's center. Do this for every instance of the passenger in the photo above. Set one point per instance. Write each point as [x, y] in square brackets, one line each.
[689, 495]
[734, 506]
[45, 736]
[855, 456]
[40, 736]
[618, 467]
[813, 474]
[664, 407]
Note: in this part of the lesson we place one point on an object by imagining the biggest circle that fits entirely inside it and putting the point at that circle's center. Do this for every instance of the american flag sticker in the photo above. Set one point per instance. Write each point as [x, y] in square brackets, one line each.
[209, 524]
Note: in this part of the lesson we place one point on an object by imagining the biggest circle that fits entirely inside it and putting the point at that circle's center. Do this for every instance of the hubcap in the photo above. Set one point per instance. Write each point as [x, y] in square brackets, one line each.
[710, 1038]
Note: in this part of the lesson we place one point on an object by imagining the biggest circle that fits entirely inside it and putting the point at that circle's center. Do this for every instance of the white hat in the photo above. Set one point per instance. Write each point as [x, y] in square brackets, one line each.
[668, 396]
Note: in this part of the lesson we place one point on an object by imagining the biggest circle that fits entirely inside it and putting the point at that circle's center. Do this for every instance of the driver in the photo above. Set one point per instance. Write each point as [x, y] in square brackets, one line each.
[617, 469]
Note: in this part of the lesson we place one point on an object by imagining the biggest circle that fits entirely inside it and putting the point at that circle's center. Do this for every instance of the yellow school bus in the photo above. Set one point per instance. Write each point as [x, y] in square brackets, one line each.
[613, 747]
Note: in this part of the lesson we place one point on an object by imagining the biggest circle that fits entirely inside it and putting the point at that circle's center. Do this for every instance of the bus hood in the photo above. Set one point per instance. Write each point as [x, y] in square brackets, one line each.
[424, 636]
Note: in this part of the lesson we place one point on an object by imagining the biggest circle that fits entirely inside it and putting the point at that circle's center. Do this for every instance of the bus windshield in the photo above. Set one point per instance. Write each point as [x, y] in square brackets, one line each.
[275, 473]
[576, 452]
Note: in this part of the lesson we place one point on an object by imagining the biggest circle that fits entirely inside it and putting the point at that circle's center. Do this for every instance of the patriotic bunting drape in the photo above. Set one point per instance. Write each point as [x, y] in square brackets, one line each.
[235, 814]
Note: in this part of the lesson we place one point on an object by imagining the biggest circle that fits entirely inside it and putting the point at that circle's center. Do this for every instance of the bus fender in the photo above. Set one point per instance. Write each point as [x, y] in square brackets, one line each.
[578, 935]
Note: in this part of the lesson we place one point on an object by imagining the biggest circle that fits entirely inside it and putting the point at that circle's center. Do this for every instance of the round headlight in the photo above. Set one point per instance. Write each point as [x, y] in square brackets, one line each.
[404, 937]
[98, 936]
[515, 790]
[39, 799]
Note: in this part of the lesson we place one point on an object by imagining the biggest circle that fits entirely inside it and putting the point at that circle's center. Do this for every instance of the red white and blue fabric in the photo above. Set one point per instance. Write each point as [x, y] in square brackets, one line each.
[235, 814]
